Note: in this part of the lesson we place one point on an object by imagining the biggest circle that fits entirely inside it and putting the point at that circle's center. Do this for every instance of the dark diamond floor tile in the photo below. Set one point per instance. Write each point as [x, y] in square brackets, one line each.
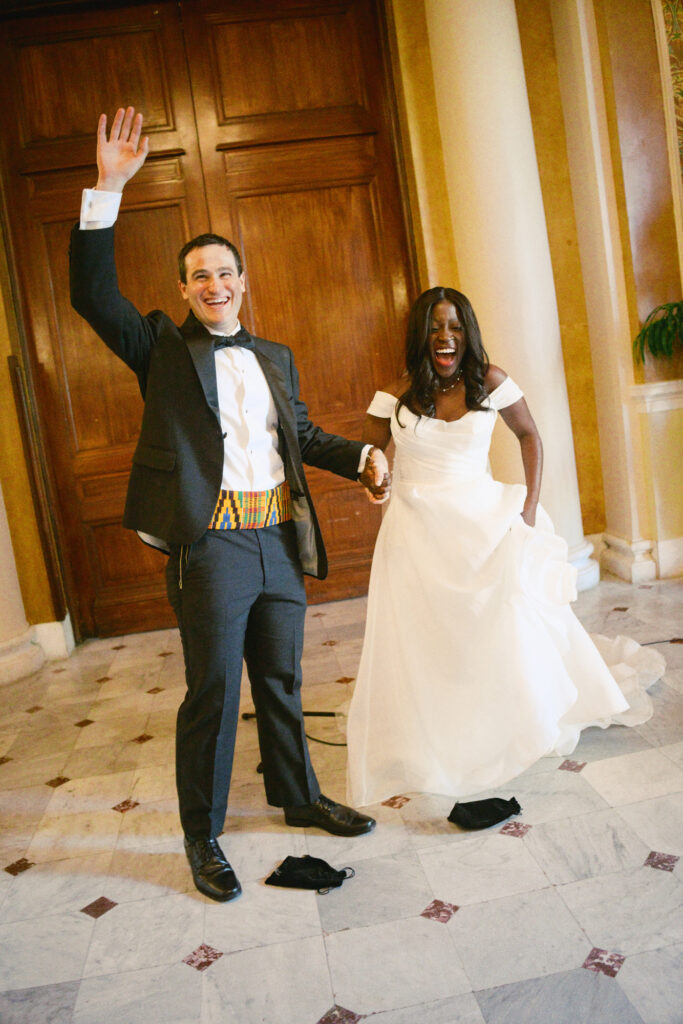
[202, 957]
[604, 962]
[99, 907]
[339, 1015]
[59, 780]
[661, 861]
[18, 867]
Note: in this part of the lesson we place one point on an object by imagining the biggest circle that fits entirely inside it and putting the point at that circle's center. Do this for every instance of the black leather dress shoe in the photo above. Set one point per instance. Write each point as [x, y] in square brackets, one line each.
[211, 871]
[330, 816]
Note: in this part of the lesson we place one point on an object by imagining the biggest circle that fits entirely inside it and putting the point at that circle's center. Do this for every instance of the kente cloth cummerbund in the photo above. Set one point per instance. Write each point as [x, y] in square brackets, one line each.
[252, 510]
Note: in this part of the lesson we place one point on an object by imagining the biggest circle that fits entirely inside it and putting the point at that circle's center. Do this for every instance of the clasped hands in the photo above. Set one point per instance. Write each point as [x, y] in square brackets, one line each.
[375, 476]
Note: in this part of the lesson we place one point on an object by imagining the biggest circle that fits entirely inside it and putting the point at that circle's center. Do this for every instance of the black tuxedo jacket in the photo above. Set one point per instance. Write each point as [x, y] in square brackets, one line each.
[178, 462]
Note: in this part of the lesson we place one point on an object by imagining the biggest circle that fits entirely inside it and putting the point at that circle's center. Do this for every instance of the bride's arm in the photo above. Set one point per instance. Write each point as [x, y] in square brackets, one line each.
[376, 431]
[521, 423]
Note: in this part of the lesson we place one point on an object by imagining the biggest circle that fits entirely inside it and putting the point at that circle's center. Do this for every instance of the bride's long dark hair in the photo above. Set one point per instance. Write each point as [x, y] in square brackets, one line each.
[419, 397]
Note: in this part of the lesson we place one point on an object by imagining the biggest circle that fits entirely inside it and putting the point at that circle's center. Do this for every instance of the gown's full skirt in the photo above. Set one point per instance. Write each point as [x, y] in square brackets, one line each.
[473, 664]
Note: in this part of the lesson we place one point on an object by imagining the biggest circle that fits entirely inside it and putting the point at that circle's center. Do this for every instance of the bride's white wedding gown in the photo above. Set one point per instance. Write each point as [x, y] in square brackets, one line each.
[473, 664]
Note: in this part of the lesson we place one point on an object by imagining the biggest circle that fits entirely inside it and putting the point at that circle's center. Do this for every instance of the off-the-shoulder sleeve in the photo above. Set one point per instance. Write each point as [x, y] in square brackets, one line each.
[505, 394]
[382, 405]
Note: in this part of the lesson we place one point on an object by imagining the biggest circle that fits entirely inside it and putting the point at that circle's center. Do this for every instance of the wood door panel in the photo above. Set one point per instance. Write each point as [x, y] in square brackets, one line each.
[67, 70]
[122, 560]
[299, 165]
[276, 72]
[333, 232]
[102, 397]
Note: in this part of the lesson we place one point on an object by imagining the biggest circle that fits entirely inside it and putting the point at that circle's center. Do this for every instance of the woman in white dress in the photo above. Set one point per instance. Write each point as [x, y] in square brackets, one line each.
[473, 664]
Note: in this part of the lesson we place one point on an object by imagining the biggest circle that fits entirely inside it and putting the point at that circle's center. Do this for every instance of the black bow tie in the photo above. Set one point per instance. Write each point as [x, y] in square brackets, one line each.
[242, 338]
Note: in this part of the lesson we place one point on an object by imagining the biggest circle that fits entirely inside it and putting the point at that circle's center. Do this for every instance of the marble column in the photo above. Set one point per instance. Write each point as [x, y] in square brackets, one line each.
[20, 655]
[628, 537]
[501, 240]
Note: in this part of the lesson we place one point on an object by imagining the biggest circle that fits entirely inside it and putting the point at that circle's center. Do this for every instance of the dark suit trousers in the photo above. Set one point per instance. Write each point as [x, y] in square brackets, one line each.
[242, 596]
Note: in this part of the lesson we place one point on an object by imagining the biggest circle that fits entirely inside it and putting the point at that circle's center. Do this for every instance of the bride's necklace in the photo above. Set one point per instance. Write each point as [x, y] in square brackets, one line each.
[457, 376]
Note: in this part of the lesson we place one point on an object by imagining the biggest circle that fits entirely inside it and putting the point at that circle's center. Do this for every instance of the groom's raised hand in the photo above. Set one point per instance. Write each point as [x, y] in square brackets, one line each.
[121, 155]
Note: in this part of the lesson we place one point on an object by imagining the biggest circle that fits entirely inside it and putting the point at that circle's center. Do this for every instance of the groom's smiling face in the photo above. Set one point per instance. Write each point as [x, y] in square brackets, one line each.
[214, 287]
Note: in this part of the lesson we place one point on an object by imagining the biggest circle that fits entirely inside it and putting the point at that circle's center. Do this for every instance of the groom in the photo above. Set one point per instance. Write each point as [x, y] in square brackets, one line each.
[218, 482]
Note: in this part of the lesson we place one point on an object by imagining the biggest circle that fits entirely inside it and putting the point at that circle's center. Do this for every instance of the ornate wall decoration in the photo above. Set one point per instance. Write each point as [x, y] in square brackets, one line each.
[673, 20]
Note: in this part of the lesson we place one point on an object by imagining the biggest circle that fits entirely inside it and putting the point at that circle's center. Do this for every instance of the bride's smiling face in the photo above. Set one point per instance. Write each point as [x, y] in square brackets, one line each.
[446, 339]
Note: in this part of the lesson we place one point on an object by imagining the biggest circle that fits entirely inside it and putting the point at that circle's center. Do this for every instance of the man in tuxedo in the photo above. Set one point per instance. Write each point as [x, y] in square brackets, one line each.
[218, 482]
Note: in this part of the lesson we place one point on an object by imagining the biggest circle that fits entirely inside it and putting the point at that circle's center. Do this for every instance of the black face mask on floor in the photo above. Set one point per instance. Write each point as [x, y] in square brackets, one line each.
[483, 813]
[308, 873]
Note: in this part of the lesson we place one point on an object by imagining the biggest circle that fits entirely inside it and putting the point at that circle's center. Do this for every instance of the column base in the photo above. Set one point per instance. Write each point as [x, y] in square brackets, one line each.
[19, 657]
[629, 560]
[587, 569]
[670, 557]
[56, 639]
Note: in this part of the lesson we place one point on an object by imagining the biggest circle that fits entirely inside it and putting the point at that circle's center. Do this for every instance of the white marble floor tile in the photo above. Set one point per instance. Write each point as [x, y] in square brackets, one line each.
[21, 811]
[393, 965]
[653, 982]
[575, 997]
[596, 744]
[44, 950]
[284, 984]
[462, 1009]
[50, 1004]
[113, 729]
[153, 783]
[482, 868]
[631, 777]
[120, 756]
[7, 738]
[22, 772]
[658, 823]
[138, 875]
[628, 912]
[672, 653]
[74, 835]
[256, 851]
[152, 827]
[549, 796]
[145, 933]
[674, 751]
[673, 677]
[426, 819]
[170, 994]
[666, 724]
[57, 887]
[92, 794]
[516, 938]
[589, 845]
[384, 889]
[263, 915]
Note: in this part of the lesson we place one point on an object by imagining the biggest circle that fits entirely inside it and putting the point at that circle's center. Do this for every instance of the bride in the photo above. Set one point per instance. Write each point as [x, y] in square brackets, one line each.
[473, 664]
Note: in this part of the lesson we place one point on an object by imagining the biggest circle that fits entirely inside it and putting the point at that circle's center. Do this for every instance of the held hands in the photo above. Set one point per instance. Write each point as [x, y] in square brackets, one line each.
[375, 477]
[121, 155]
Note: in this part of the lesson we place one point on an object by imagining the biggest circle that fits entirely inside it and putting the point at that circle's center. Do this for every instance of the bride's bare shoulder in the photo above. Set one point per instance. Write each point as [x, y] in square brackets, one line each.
[397, 387]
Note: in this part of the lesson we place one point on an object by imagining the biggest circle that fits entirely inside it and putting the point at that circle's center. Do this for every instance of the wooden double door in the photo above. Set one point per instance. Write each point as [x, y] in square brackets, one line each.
[270, 123]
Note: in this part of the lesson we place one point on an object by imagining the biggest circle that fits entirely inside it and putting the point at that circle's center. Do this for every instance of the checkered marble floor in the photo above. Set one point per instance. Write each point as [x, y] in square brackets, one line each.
[569, 913]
